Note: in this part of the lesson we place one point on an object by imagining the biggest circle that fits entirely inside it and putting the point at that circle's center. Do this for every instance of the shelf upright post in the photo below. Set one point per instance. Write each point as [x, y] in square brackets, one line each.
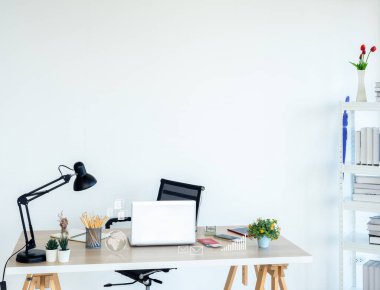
[340, 200]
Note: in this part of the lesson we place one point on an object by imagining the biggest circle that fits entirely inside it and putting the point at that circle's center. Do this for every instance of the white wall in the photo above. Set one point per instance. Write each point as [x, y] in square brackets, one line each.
[239, 96]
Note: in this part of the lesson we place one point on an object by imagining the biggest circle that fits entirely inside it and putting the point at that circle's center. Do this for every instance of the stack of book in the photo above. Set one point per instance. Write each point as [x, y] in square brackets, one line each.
[366, 188]
[371, 275]
[367, 146]
[373, 227]
[377, 91]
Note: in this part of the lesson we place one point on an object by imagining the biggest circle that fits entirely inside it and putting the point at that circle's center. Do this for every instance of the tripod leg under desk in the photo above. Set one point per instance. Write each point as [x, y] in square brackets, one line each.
[42, 282]
[277, 273]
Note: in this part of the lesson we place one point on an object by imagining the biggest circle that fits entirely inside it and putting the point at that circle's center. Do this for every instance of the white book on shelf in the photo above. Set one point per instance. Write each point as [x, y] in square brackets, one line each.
[357, 147]
[369, 146]
[367, 186]
[365, 197]
[367, 191]
[375, 147]
[375, 220]
[373, 227]
[363, 146]
[367, 179]
[374, 233]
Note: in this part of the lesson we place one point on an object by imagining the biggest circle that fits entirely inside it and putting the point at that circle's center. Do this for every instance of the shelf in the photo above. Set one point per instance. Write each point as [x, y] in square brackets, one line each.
[358, 106]
[360, 243]
[361, 169]
[349, 204]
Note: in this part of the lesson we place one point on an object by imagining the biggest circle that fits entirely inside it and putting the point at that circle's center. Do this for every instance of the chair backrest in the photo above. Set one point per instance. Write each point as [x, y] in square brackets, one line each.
[173, 190]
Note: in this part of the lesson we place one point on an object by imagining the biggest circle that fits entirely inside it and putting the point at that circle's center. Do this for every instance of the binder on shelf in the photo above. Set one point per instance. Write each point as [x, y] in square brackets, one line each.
[369, 146]
[363, 146]
[374, 240]
[357, 147]
[376, 148]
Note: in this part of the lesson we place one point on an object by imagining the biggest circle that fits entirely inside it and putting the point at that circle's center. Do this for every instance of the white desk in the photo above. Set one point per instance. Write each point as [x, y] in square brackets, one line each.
[280, 252]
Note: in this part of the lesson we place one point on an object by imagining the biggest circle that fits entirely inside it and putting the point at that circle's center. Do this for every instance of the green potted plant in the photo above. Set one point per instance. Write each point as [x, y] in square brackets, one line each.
[51, 250]
[64, 252]
[264, 230]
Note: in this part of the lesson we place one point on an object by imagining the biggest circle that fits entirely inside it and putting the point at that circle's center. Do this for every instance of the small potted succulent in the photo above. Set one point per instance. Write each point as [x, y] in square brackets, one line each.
[64, 252]
[51, 250]
[264, 230]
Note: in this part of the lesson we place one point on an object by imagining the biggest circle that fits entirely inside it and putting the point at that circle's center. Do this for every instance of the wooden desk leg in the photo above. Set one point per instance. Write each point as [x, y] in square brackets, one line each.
[56, 281]
[42, 282]
[281, 274]
[230, 278]
[28, 279]
[260, 283]
[274, 277]
[33, 284]
[244, 275]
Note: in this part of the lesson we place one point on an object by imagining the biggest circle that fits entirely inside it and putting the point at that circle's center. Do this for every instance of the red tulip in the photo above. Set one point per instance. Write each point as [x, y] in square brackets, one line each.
[364, 52]
[362, 48]
[373, 48]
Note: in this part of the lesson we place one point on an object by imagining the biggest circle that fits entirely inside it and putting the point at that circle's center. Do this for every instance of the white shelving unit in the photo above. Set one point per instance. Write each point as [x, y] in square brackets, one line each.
[353, 243]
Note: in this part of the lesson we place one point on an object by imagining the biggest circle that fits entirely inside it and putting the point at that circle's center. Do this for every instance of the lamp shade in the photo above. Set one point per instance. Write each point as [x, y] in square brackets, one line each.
[83, 180]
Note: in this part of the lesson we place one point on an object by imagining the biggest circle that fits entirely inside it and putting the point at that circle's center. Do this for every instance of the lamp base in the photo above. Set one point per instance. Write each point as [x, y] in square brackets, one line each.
[31, 256]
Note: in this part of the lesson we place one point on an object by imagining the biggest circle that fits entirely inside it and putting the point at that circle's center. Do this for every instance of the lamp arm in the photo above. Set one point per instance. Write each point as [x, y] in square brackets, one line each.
[24, 199]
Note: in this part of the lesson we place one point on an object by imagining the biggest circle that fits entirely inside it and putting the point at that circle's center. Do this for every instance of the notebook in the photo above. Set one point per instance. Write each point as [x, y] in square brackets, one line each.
[243, 231]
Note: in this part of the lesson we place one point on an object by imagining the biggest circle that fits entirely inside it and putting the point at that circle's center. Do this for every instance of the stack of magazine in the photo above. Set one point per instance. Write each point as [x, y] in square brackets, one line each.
[366, 188]
[373, 227]
[371, 275]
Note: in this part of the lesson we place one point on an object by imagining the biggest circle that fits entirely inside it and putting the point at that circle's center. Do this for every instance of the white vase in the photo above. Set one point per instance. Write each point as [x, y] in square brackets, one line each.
[361, 95]
[51, 256]
[63, 256]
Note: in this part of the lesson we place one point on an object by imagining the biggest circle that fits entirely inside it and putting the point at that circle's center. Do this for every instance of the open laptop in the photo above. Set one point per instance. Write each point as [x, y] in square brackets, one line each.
[162, 223]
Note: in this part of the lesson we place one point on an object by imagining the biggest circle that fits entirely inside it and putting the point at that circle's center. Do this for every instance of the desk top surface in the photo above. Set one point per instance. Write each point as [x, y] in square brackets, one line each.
[107, 258]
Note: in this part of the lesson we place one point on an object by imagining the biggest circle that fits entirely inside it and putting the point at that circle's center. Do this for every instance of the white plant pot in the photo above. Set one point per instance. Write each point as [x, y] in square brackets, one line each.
[64, 256]
[51, 256]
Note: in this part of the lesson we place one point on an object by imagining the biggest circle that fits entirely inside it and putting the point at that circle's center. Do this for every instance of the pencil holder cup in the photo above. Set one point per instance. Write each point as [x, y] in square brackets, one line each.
[94, 238]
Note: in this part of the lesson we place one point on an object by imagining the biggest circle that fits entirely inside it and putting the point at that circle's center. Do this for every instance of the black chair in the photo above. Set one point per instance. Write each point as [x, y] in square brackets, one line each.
[169, 190]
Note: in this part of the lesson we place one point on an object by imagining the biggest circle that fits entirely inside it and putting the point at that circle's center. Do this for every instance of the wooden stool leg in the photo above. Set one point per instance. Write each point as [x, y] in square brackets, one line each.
[244, 275]
[230, 278]
[28, 279]
[282, 277]
[260, 283]
[56, 282]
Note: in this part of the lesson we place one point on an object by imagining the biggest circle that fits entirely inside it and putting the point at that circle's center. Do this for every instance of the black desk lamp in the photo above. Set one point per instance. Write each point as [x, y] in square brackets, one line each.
[82, 181]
